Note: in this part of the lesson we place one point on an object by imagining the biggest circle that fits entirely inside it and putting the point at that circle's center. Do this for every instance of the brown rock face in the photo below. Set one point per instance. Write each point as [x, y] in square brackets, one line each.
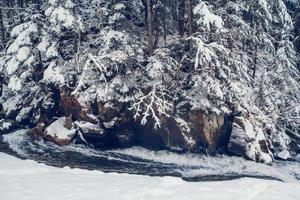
[37, 133]
[69, 106]
[177, 135]
[209, 128]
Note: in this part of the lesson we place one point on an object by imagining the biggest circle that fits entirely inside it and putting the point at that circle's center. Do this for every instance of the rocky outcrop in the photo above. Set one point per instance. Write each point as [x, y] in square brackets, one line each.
[114, 127]
[249, 141]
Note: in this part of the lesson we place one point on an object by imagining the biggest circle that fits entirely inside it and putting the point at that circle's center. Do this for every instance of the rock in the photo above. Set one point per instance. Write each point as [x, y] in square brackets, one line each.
[60, 132]
[69, 106]
[248, 141]
[177, 135]
[284, 155]
[109, 111]
[38, 132]
[125, 137]
[91, 134]
[210, 128]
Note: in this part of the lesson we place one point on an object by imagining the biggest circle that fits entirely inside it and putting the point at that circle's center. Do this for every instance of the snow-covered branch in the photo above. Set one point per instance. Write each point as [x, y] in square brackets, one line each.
[206, 52]
[89, 64]
[154, 104]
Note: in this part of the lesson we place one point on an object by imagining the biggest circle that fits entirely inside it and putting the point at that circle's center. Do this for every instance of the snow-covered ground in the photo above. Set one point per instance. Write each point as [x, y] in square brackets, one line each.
[28, 180]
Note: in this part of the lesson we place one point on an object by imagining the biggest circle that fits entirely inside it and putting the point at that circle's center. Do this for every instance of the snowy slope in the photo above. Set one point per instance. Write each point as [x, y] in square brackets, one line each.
[28, 180]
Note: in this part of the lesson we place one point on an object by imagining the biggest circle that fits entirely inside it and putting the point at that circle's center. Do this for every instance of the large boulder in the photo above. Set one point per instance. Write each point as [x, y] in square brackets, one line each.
[60, 132]
[249, 141]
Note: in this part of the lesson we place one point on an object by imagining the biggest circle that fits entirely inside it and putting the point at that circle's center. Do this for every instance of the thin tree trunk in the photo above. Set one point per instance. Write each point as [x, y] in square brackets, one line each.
[156, 28]
[149, 24]
[181, 6]
[2, 30]
[190, 17]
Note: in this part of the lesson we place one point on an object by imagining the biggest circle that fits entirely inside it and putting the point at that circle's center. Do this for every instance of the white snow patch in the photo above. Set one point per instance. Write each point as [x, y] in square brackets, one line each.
[53, 75]
[58, 130]
[14, 84]
[86, 126]
[23, 53]
[12, 65]
[5, 125]
[285, 154]
[207, 17]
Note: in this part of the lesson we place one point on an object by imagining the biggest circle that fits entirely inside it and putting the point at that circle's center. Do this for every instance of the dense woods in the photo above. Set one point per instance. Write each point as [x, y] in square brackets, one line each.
[210, 76]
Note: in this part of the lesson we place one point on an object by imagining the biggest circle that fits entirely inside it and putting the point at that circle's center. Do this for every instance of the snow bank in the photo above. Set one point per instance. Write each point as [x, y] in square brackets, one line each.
[32, 181]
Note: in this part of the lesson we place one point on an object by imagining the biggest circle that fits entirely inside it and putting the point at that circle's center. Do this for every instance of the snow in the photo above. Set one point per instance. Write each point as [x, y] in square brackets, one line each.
[119, 6]
[5, 125]
[23, 38]
[61, 16]
[14, 84]
[12, 65]
[53, 75]
[153, 104]
[207, 17]
[58, 130]
[29, 180]
[86, 126]
[285, 154]
[265, 6]
[23, 53]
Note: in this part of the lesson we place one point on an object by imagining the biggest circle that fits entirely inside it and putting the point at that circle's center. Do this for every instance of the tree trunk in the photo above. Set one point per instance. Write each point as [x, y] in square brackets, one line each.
[2, 30]
[190, 17]
[156, 25]
[181, 6]
[149, 25]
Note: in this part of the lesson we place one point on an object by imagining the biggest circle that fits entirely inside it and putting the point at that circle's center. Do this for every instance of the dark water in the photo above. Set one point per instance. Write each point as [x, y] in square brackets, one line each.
[190, 167]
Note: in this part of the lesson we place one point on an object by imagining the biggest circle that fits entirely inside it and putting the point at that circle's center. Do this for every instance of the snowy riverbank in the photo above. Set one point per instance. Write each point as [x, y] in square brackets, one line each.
[136, 160]
[29, 180]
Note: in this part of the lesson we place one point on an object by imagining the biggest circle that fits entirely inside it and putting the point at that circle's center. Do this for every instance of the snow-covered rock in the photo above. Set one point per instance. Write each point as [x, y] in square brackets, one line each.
[249, 141]
[284, 155]
[61, 131]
